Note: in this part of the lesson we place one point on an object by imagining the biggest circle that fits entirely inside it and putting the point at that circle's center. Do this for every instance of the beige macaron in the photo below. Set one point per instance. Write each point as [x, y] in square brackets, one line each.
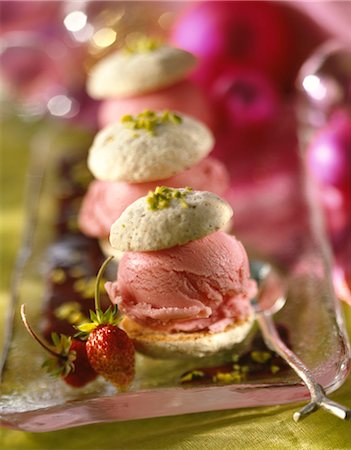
[126, 74]
[169, 217]
[147, 147]
[182, 345]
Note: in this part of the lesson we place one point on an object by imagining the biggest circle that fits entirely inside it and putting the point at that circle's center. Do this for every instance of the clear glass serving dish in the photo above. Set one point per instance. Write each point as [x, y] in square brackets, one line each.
[276, 218]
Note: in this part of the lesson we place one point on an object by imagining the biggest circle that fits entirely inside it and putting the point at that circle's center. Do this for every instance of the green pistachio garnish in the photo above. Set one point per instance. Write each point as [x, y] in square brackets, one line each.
[228, 377]
[77, 272]
[193, 375]
[235, 357]
[86, 286]
[71, 312]
[144, 44]
[162, 196]
[274, 369]
[149, 120]
[58, 276]
[260, 357]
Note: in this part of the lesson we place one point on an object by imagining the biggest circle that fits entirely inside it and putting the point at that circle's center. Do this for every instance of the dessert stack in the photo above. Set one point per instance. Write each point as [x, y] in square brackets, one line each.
[135, 153]
[183, 284]
[146, 74]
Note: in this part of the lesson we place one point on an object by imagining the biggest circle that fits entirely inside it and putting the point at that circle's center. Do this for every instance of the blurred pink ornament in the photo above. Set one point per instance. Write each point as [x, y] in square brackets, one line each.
[246, 99]
[336, 207]
[269, 148]
[329, 154]
[185, 97]
[223, 33]
[328, 160]
[29, 15]
[274, 226]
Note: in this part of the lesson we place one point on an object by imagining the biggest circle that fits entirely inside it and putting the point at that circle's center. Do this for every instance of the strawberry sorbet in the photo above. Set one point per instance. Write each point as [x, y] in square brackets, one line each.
[106, 200]
[184, 97]
[202, 285]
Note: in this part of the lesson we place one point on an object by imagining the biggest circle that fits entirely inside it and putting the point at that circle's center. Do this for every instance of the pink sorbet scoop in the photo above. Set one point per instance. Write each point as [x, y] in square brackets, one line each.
[202, 285]
[184, 97]
[105, 201]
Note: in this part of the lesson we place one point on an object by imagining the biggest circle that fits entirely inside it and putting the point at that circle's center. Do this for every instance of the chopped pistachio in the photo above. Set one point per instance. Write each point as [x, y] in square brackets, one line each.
[144, 44]
[235, 357]
[70, 311]
[228, 377]
[58, 276]
[108, 140]
[149, 120]
[168, 116]
[162, 196]
[195, 374]
[245, 369]
[86, 286]
[274, 369]
[260, 357]
[76, 272]
[127, 118]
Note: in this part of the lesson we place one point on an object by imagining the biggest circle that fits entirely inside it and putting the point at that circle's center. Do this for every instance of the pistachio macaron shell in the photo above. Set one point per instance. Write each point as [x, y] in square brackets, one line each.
[122, 74]
[141, 229]
[120, 153]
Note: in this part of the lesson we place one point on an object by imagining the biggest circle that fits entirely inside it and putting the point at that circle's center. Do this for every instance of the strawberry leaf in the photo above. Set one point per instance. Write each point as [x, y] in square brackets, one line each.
[55, 339]
[87, 327]
[93, 316]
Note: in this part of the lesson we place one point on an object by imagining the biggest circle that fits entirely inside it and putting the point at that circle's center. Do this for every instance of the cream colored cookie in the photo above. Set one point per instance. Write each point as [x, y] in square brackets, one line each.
[124, 73]
[167, 218]
[148, 147]
[186, 345]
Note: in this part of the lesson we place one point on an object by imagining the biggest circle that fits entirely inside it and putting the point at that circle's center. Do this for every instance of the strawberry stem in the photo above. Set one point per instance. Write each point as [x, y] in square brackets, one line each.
[98, 279]
[35, 336]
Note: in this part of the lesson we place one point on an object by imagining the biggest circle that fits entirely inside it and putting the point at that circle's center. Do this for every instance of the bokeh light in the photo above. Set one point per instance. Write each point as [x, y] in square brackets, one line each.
[75, 21]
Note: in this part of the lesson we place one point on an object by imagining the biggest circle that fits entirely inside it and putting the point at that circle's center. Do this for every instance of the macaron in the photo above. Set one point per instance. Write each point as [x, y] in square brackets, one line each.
[169, 217]
[149, 146]
[145, 66]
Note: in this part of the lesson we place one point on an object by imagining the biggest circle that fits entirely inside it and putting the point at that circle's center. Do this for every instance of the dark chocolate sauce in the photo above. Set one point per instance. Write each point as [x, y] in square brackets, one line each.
[72, 259]
[257, 363]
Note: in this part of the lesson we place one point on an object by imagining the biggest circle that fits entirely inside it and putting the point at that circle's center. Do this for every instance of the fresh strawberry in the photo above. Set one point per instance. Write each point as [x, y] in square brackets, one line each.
[83, 372]
[70, 360]
[110, 351]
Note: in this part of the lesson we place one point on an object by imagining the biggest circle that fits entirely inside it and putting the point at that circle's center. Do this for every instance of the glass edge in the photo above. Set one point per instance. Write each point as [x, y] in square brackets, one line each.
[32, 192]
[33, 189]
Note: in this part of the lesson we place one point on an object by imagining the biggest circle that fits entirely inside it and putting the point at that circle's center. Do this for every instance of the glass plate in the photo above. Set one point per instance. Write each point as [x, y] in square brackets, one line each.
[274, 217]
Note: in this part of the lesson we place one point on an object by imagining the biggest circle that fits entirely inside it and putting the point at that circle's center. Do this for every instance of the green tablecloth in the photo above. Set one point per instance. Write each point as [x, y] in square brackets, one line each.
[268, 427]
